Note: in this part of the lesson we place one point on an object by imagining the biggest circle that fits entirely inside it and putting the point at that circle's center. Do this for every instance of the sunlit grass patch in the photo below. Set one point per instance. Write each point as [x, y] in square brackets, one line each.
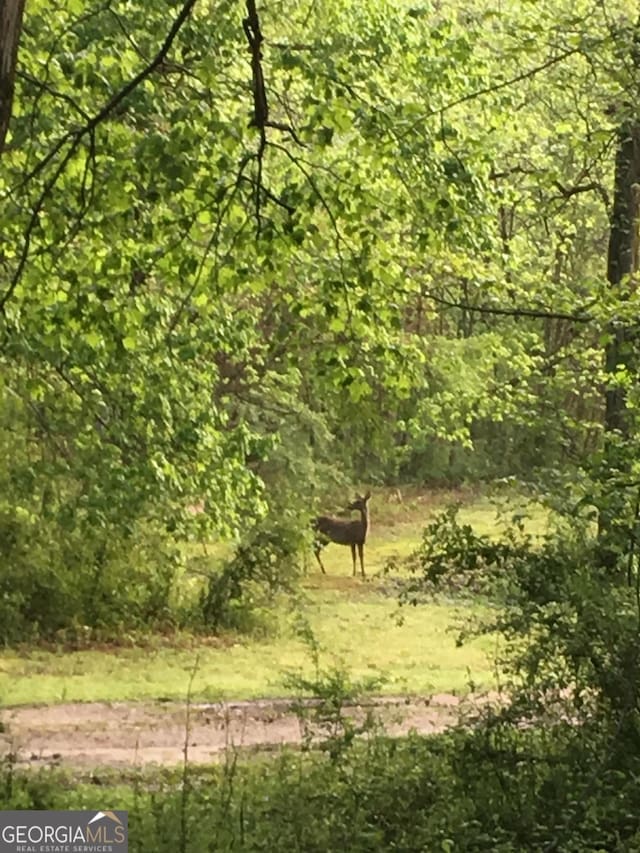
[360, 633]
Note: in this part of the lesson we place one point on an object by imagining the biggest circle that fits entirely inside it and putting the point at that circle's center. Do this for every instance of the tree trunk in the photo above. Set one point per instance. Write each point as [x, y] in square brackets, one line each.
[11, 12]
[623, 262]
[621, 351]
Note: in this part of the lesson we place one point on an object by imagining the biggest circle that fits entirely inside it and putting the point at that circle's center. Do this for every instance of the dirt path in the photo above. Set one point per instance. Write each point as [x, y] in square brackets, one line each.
[123, 734]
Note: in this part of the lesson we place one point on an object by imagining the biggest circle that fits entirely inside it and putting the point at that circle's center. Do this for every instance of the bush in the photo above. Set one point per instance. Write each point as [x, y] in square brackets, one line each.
[71, 582]
[494, 789]
[265, 563]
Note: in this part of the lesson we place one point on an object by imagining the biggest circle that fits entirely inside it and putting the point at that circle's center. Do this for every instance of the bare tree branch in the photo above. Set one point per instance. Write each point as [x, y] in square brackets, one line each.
[261, 120]
[592, 186]
[541, 314]
[494, 87]
[211, 242]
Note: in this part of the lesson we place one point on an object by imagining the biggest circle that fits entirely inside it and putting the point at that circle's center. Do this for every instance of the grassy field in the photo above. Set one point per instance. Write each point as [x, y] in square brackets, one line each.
[359, 632]
[356, 625]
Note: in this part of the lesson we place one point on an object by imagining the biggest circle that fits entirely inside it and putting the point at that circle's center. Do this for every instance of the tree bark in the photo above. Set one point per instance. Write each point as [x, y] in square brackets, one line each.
[11, 12]
[622, 350]
[622, 262]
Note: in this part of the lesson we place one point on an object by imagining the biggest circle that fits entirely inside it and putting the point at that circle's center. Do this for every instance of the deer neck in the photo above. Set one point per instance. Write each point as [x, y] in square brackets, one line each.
[364, 519]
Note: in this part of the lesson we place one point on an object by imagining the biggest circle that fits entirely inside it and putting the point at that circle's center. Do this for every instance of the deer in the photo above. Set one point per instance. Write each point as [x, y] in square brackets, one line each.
[343, 532]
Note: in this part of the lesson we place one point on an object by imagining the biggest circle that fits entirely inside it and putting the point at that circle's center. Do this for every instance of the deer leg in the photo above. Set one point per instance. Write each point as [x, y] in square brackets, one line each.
[353, 557]
[316, 550]
[361, 555]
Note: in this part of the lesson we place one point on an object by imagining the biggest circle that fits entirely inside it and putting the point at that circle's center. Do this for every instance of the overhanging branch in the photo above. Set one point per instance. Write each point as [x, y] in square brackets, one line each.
[535, 313]
[76, 137]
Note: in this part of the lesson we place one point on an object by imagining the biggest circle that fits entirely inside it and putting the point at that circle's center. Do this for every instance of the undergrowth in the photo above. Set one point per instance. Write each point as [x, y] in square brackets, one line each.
[491, 789]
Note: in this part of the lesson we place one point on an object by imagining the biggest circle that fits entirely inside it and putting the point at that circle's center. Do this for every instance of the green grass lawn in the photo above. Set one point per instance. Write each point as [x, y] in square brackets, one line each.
[357, 630]
[355, 624]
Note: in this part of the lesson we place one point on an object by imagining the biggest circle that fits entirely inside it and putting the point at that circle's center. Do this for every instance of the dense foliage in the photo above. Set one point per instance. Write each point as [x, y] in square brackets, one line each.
[250, 253]
[495, 790]
[242, 261]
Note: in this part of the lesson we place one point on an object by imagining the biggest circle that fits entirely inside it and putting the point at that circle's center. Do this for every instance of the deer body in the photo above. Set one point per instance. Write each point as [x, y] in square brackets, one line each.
[342, 532]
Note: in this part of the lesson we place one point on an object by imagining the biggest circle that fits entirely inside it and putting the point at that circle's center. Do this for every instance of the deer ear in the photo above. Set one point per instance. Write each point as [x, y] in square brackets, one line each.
[367, 496]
